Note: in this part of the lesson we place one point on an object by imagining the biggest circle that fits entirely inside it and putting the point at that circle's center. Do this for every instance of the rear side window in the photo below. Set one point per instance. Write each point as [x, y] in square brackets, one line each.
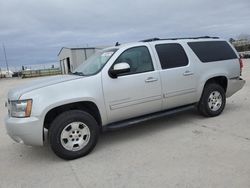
[171, 55]
[209, 51]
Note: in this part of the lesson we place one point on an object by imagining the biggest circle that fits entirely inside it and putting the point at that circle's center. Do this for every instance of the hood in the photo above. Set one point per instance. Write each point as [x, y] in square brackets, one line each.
[16, 93]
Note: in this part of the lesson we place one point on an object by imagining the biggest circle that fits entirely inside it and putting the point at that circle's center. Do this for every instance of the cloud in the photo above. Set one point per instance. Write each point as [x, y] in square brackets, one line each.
[34, 31]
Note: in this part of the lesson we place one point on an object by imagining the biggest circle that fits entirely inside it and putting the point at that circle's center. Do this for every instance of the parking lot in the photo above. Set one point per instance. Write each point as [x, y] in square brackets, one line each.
[182, 150]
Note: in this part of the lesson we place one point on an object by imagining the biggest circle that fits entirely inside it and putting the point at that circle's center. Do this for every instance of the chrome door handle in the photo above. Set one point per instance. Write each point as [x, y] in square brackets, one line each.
[151, 79]
[187, 73]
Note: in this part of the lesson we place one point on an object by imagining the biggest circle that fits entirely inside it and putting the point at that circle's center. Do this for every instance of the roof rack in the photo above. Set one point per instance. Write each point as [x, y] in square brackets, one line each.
[202, 37]
[149, 40]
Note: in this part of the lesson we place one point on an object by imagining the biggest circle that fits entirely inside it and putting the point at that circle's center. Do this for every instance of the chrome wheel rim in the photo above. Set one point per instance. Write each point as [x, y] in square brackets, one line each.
[214, 101]
[75, 136]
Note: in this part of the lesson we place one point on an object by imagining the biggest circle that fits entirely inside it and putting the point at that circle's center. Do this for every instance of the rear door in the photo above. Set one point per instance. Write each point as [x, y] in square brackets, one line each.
[177, 74]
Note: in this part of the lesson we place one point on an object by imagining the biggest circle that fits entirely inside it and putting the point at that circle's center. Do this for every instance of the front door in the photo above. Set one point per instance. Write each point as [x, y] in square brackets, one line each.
[135, 93]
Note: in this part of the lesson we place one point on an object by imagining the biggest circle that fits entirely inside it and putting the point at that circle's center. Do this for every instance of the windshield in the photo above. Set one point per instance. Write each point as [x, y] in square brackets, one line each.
[94, 63]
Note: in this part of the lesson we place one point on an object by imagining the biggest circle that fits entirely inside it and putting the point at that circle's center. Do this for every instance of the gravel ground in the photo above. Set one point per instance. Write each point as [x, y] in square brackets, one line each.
[183, 150]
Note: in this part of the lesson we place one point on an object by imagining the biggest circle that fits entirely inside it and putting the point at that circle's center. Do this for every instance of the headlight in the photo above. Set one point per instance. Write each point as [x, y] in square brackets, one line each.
[20, 108]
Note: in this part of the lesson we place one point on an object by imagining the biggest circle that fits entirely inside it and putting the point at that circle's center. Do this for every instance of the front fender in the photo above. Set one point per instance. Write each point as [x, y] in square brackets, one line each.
[66, 102]
[80, 90]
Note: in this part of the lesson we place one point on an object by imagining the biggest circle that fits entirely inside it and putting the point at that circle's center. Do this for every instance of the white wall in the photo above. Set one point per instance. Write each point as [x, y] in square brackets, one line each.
[77, 57]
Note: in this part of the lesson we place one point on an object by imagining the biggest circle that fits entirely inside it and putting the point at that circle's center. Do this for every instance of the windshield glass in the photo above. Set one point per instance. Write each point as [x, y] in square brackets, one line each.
[94, 63]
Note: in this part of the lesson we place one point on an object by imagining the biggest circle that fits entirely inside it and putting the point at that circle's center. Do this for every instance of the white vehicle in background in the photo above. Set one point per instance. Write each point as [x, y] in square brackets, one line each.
[121, 86]
[6, 74]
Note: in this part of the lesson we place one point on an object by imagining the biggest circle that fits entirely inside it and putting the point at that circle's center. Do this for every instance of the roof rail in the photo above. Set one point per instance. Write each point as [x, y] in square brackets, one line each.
[202, 37]
[149, 40]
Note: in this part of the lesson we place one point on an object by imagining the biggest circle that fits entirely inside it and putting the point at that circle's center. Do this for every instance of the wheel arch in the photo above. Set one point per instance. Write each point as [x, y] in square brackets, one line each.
[87, 106]
[220, 79]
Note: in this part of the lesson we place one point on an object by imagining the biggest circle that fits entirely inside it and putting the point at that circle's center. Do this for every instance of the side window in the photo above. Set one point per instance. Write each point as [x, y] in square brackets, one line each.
[171, 55]
[209, 51]
[138, 58]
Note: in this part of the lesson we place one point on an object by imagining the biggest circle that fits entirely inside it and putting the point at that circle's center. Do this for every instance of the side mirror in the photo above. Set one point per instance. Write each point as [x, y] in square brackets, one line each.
[119, 68]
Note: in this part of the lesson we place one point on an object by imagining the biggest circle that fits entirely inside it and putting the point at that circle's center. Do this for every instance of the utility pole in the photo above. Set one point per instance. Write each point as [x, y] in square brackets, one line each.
[6, 60]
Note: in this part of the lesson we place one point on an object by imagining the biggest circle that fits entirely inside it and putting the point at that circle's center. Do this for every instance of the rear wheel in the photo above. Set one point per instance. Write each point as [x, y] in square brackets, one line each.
[73, 134]
[213, 100]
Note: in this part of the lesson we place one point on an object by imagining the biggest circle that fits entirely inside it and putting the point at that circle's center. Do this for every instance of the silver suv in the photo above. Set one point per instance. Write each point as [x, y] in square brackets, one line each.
[121, 86]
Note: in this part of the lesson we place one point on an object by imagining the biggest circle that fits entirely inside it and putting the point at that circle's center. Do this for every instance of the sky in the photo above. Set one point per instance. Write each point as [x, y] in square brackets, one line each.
[34, 31]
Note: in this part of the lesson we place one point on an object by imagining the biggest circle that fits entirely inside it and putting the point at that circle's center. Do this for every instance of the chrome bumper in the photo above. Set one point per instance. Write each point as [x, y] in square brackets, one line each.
[234, 85]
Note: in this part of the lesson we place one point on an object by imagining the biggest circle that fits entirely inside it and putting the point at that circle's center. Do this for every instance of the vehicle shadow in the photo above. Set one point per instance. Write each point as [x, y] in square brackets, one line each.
[150, 127]
[35, 154]
[147, 128]
[110, 138]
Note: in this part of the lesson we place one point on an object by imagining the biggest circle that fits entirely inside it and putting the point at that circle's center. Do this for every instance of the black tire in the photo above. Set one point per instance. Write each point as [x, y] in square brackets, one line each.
[203, 106]
[62, 121]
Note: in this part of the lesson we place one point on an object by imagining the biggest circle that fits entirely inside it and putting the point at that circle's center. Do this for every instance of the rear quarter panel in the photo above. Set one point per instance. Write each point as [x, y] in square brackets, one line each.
[205, 71]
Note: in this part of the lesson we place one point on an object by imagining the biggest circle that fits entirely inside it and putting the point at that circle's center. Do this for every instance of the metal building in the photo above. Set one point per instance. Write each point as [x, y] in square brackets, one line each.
[70, 58]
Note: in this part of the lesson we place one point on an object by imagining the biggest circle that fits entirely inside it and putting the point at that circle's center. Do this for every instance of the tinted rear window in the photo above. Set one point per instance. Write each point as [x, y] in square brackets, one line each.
[171, 55]
[209, 51]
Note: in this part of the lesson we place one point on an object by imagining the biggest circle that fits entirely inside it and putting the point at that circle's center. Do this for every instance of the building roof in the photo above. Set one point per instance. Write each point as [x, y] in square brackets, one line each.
[82, 48]
[76, 48]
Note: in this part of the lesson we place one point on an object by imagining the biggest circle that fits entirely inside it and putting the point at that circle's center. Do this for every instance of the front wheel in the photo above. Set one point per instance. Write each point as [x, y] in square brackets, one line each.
[212, 101]
[73, 134]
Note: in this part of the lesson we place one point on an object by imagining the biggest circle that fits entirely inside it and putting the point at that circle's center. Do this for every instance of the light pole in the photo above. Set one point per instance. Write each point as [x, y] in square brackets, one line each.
[6, 60]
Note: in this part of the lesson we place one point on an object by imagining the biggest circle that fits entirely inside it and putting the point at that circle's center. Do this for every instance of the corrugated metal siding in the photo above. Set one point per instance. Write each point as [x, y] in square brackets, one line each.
[77, 56]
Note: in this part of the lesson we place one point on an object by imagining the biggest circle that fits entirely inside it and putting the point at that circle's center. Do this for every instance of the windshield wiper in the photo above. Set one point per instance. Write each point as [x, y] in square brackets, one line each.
[78, 73]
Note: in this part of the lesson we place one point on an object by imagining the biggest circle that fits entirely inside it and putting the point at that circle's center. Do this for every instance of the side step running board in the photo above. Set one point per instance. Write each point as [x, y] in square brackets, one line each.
[133, 121]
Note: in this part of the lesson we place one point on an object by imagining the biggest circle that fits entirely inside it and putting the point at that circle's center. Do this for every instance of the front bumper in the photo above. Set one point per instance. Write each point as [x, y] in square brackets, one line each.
[234, 85]
[28, 131]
